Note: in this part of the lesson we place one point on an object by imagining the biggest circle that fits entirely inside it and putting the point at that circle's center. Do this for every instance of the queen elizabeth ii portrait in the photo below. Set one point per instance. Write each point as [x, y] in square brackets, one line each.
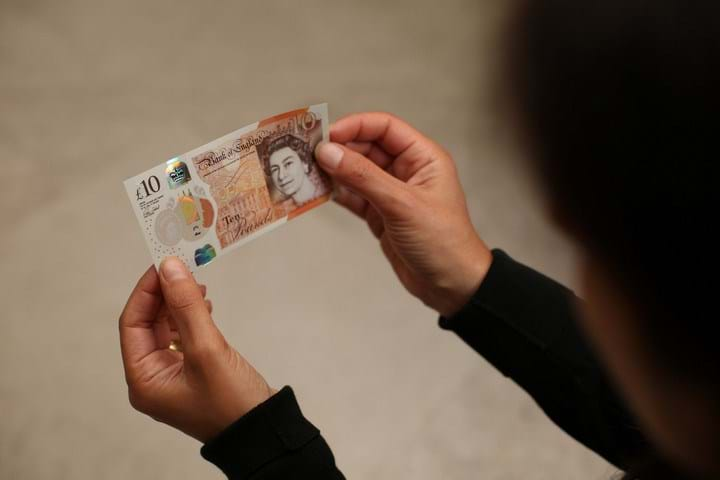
[288, 164]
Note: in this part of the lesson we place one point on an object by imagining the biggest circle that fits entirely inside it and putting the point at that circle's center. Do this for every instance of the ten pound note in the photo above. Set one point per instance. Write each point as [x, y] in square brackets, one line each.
[221, 195]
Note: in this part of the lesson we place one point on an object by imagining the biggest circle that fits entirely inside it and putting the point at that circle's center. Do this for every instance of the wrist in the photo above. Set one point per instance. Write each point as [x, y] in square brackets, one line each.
[466, 276]
[226, 415]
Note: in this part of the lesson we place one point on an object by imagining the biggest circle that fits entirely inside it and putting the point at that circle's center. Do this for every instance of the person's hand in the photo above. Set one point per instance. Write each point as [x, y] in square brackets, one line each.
[406, 187]
[202, 389]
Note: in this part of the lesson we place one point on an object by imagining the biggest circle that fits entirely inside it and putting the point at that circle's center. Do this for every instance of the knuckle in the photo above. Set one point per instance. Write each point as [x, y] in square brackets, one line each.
[386, 115]
[184, 307]
[181, 298]
[360, 172]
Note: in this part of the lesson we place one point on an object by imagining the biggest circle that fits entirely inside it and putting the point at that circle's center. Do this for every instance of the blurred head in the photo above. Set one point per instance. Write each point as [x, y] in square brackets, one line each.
[286, 162]
[617, 101]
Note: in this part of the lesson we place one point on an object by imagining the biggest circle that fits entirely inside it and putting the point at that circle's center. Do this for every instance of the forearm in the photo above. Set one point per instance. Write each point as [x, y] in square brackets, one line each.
[525, 324]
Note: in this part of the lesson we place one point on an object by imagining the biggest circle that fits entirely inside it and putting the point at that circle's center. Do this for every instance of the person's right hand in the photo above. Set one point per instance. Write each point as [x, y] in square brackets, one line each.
[407, 189]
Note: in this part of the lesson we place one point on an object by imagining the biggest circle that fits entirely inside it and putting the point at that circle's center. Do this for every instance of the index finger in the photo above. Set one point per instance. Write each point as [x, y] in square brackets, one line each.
[392, 134]
[137, 321]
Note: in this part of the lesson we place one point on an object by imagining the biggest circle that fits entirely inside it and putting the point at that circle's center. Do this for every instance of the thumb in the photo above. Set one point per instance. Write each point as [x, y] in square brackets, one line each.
[362, 176]
[186, 304]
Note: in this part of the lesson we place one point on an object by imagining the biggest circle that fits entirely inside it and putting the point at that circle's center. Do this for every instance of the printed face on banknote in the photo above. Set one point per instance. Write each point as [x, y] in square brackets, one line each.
[289, 172]
[203, 203]
[289, 166]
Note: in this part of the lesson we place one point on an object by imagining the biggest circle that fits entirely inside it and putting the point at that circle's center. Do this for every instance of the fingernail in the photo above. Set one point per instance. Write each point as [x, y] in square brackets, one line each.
[173, 268]
[329, 155]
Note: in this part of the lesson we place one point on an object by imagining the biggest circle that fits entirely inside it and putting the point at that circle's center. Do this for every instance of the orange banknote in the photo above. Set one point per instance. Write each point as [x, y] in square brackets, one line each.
[217, 197]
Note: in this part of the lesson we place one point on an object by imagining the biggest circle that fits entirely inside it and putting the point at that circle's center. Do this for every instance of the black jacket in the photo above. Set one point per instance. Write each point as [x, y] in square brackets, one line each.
[520, 321]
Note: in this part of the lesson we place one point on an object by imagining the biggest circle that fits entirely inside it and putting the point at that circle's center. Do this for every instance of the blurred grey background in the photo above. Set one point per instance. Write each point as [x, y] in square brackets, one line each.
[92, 92]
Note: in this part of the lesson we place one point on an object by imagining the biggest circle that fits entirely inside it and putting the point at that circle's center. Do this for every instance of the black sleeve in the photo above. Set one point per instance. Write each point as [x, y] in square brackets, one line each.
[525, 325]
[272, 441]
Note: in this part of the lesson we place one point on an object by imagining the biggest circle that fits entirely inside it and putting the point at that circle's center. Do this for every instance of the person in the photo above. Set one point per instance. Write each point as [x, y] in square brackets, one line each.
[288, 164]
[616, 102]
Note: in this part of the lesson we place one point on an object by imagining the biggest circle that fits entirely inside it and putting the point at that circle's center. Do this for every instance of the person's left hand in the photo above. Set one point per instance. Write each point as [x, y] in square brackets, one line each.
[204, 388]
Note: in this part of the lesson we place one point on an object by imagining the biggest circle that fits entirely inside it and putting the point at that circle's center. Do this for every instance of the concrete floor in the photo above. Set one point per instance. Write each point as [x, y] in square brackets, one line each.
[92, 92]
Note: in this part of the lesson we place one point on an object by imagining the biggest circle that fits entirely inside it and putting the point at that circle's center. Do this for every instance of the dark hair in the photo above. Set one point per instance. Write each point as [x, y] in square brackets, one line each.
[270, 145]
[618, 100]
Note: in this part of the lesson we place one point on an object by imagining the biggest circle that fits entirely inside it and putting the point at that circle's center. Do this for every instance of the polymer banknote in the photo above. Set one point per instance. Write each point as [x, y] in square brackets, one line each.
[209, 201]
